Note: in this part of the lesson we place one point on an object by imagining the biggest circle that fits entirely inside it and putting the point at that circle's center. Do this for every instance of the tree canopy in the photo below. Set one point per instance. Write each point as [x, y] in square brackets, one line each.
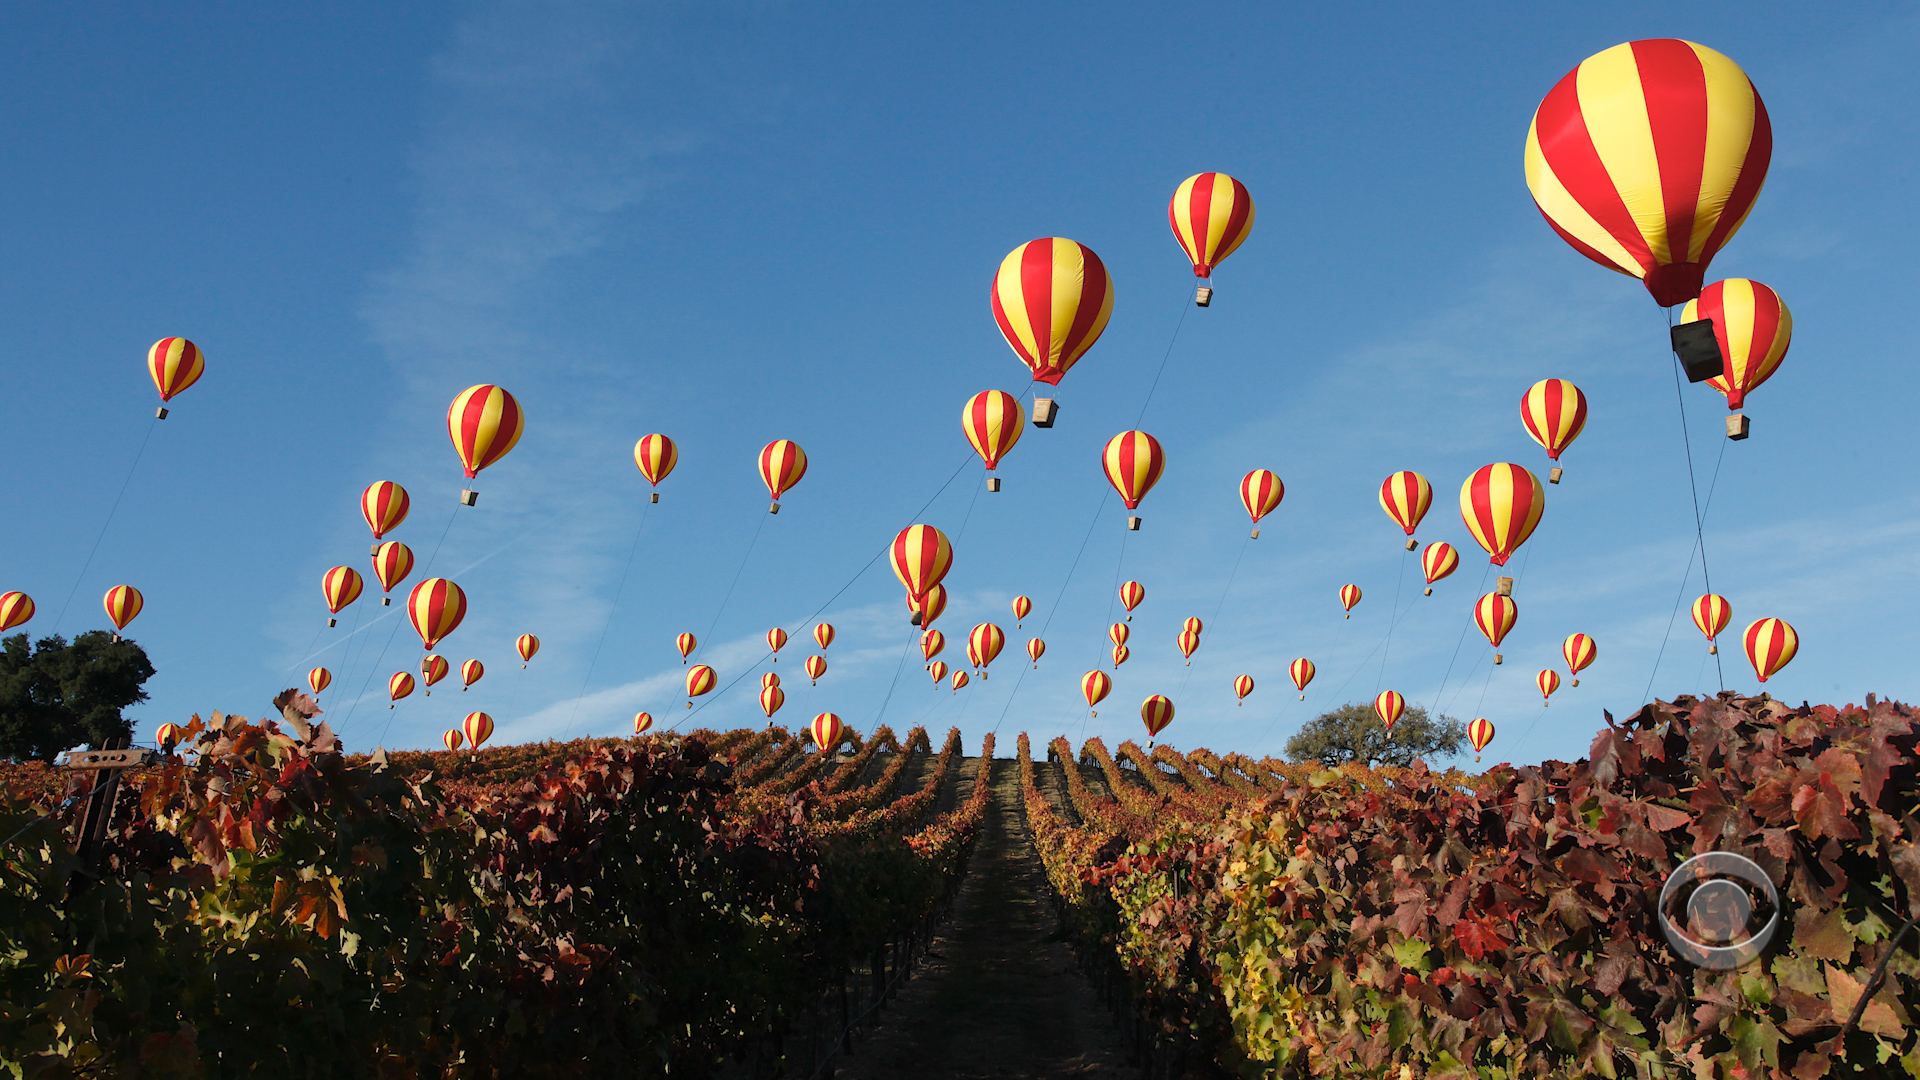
[1354, 733]
[59, 695]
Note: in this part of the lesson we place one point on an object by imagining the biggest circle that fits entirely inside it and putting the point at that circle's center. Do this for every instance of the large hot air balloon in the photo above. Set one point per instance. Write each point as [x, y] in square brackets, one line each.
[938, 669]
[1094, 686]
[1157, 713]
[1211, 214]
[1131, 594]
[319, 678]
[175, 364]
[1035, 650]
[340, 586]
[1187, 642]
[1754, 329]
[1495, 615]
[384, 504]
[1349, 596]
[484, 423]
[930, 608]
[993, 420]
[15, 609]
[827, 732]
[433, 668]
[656, 455]
[771, 698]
[436, 607]
[1133, 462]
[782, 464]
[921, 557]
[959, 680]
[700, 680]
[123, 603]
[823, 634]
[1119, 632]
[931, 643]
[470, 673]
[1405, 497]
[399, 686]
[1501, 505]
[1022, 607]
[686, 643]
[1770, 644]
[1389, 706]
[1480, 733]
[642, 721]
[776, 639]
[1301, 671]
[1438, 560]
[526, 645]
[1554, 412]
[1052, 298]
[452, 738]
[816, 667]
[1580, 651]
[392, 562]
[983, 644]
[1548, 681]
[1242, 686]
[1120, 655]
[1261, 491]
[478, 727]
[1712, 613]
[1647, 158]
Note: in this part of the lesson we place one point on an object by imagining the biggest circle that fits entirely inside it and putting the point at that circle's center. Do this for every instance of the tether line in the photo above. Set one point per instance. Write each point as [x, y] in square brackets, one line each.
[111, 510]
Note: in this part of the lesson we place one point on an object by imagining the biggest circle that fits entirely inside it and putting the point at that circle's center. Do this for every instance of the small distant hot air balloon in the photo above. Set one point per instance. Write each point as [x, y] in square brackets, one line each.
[1052, 299]
[1133, 462]
[436, 607]
[1405, 496]
[656, 455]
[1389, 706]
[484, 423]
[1712, 613]
[983, 644]
[452, 739]
[823, 634]
[15, 609]
[1242, 686]
[930, 608]
[1021, 608]
[1438, 560]
[1480, 733]
[700, 680]
[399, 686]
[992, 421]
[319, 678]
[478, 727]
[1193, 625]
[470, 673]
[1131, 594]
[931, 643]
[686, 643]
[1211, 215]
[921, 557]
[433, 668]
[1554, 412]
[123, 603]
[167, 735]
[782, 464]
[384, 504]
[1580, 651]
[1119, 632]
[392, 562]
[771, 678]
[1495, 615]
[1187, 642]
[938, 669]
[1754, 329]
[340, 586]
[1301, 671]
[642, 721]
[1771, 644]
[174, 364]
[816, 667]
[1036, 649]
[526, 645]
[1548, 681]
[827, 732]
[1120, 655]
[959, 680]
[776, 639]
[1157, 713]
[771, 698]
[1094, 686]
[1501, 505]
[1349, 596]
[1260, 492]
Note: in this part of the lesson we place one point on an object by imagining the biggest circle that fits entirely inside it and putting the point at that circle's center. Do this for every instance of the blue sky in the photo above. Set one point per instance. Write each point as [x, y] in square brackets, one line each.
[733, 223]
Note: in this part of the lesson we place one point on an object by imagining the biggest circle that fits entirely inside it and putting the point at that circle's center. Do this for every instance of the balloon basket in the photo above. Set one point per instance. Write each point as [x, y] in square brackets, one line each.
[1553, 475]
[386, 601]
[1133, 524]
[1303, 697]
[1349, 615]
[656, 497]
[915, 620]
[1043, 411]
[1255, 536]
[774, 509]
[1202, 297]
[1412, 543]
[333, 622]
[1576, 682]
[116, 639]
[160, 413]
[1737, 426]
[1093, 715]
[1498, 659]
[1503, 586]
[469, 497]
[1712, 650]
[1429, 591]
[993, 483]
[1699, 350]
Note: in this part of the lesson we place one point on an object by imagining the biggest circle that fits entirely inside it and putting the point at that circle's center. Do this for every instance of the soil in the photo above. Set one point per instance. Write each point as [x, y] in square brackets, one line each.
[999, 995]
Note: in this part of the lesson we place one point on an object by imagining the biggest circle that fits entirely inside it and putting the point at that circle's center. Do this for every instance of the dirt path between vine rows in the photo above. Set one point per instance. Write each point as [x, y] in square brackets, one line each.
[997, 998]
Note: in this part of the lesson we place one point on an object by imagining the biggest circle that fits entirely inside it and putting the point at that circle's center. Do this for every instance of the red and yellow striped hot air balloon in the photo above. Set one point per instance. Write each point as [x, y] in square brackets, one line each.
[929, 608]
[392, 562]
[1548, 681]
[921, 557]
[816, 667]
[1501, 505]
[319, 678]
[433, 668]
[1555, 413]
[1035, 650]
[1495, 615]
[1193, 625]
[1022, 607]
[642, 722]
[1052, 299]
[15, 609]
[1712, 613]
[526, 645]
[1349, 596]
[686, 643]
[1480, 733]
[1187, 642]
[993, 421]
[452, 739]
[1260, 492]
[771, 698]
[1754, 328]
[1438, 560]
[123, 603]
[484, 422]
[1131, 594]
[1770, 644]
[399, 686]
[700, 680]
[1580, 651]
[471, 672]
[478, 727]
[959, 680]
[1211, 214]
[168, 734]
[1648, 157]
[985, 643]
[1389, 706]
[175, 364]
[769, 679]
[827, 732]
[939, 670]
[776, 640]
[782, 464]
[1156, 712]
[1095, 686]
[340, 586]
[1242, 686]
[1120, 655]
[656, 455]
[436, 607]
[1301, 671]
[1405, 496]
[384, 504]
[823, 634]
[1133, 462]
[931, 643]
[1119, 632]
